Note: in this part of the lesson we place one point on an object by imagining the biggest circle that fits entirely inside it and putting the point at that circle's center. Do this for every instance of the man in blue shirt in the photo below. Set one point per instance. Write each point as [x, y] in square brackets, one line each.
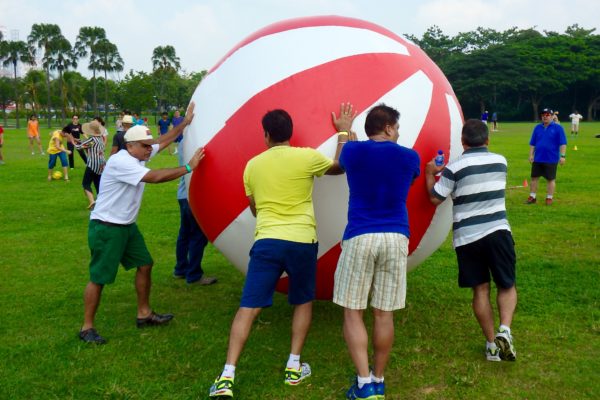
[375, 242]
[163, 123]
[548, 146]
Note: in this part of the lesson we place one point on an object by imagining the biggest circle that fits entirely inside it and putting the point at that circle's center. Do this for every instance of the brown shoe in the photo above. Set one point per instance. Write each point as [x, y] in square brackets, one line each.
[205, 281]
[530, 200]
[548, 202]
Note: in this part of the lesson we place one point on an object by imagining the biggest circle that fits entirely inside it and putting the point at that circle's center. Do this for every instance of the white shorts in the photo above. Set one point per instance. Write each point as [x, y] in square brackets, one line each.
[372, 264]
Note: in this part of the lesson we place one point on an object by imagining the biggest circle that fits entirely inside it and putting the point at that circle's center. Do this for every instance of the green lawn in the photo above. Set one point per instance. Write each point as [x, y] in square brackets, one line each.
[438, 352]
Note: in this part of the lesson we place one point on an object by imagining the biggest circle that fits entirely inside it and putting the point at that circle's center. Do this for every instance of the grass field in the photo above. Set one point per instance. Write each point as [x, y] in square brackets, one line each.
[438, 352]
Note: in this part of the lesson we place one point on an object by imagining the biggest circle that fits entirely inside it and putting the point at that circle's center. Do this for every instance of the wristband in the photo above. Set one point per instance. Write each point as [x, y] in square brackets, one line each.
[563, 156]
[189, 169]
[342, 133]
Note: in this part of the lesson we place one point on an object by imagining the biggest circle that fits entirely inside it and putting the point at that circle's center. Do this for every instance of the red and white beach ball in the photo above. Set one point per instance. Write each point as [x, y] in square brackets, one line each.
[308, 66]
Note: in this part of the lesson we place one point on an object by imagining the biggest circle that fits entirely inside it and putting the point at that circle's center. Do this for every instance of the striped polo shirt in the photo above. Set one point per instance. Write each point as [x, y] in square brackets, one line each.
[476, 181]
[95, 153]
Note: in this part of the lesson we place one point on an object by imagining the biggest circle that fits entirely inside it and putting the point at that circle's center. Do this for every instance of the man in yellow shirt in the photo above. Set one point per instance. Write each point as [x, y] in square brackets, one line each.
[56, 149]
[279, 183]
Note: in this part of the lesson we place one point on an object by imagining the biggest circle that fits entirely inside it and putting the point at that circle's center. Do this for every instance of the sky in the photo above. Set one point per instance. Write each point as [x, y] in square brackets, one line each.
[203, 31]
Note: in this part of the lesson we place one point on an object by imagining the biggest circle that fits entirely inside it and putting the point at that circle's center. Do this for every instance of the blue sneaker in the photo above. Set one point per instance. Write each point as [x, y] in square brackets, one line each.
[367, 392]
[379, 390]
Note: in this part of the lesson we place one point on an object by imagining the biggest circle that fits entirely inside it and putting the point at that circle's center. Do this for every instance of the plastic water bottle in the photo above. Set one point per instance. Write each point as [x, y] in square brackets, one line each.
[439, 159]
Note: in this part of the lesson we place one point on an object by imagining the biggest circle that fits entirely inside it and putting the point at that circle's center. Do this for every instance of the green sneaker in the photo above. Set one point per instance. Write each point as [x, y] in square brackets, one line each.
[295, 376]
[223, 387]
[504, 341]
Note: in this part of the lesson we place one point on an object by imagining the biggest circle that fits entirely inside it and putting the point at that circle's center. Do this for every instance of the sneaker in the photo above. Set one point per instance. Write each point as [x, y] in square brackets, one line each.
[379, 390]
[493, 354]
[504, 341]
[33, 153]
[548, 201]
[177, 276]
[530, 200]
[295, 376]
[42, 153]
[154, 319]
[223, 387]
[91, 336]
[204, 281]
[367, 392]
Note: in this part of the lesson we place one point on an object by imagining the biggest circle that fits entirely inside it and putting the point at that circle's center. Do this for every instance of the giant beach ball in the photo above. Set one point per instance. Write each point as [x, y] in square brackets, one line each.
[308, 66]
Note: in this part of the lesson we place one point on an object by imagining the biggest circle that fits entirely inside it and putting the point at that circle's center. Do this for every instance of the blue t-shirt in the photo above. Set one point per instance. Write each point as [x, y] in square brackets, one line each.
[176, 121]
[379, 175]
[547, 142]
[163, 125]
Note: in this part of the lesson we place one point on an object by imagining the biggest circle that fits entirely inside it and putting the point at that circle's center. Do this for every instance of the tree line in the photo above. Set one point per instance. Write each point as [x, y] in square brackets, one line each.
[71, 92]
[513, 72]
[517, 71]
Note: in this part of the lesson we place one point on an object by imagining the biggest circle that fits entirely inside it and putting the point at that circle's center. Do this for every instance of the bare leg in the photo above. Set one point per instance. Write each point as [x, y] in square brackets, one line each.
[91, 300]
[39, 143]
[143, 282]
[507, 303]
[49, 174]
[31, 144]
[483, 310]
[240, 330]
[551, 187]
[383, 340]
[534, 184]
[357, 340]
[300, 326]
[66, 173]
[89, 195]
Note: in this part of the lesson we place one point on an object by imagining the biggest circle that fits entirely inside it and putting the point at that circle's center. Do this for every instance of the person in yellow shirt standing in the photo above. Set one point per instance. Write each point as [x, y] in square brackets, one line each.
[56, 149]
[33, 133]
[279, 184]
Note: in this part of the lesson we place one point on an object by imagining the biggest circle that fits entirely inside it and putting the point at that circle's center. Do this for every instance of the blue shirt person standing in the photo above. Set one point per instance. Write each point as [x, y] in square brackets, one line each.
[163, 123]
[191, 241]
[547, 149]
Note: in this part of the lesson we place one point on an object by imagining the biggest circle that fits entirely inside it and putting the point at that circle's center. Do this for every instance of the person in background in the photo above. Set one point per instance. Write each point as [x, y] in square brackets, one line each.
[33, 134]
[94, 144]
[476, 182]
[118, 142]
[176, 120]
[575, 118]
[547, 149]
[74, 130]
[1, 144]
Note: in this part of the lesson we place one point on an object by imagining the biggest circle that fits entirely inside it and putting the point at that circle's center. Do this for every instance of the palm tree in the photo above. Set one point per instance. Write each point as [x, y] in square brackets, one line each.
[12, 53]
[40, 38]
[86, 40]
[60, 58]
[108, 60]
[33, 82]
[164, 59]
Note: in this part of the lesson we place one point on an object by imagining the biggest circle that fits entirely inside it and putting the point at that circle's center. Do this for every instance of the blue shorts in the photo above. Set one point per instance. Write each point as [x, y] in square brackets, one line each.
[269, 258]
[63, 160]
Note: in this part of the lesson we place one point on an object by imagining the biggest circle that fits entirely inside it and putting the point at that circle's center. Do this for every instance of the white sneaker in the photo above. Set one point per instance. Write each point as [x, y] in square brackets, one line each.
[33, 153]
[504, 341]
[492, 354]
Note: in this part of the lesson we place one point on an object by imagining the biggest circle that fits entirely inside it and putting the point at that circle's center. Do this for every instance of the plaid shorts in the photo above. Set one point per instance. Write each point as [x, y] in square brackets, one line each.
[372, 264]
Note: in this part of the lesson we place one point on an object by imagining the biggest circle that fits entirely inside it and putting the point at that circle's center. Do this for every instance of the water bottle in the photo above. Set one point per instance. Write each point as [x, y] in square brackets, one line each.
[439, 159]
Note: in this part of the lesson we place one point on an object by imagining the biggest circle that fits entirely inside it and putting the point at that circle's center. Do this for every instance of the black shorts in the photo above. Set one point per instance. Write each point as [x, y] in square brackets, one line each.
[493, 253]
[546, 170]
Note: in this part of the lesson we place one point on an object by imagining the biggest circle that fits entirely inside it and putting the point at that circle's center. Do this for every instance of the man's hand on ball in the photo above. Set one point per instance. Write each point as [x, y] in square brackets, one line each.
[196, 158]
[347, 115]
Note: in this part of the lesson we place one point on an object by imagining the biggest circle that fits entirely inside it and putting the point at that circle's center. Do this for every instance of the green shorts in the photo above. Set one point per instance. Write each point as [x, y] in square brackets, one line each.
[114, 244]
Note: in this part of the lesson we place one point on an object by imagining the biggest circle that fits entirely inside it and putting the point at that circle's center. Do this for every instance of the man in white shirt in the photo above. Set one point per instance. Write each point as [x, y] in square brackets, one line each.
[575, 118]
[113, 235]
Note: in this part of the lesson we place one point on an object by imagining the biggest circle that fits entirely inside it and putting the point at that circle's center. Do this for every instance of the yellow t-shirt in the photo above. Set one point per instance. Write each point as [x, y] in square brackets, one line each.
[281, 181]
[52, 149]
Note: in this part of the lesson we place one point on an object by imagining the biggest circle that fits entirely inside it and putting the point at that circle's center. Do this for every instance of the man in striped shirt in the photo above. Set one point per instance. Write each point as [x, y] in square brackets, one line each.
[476, 181]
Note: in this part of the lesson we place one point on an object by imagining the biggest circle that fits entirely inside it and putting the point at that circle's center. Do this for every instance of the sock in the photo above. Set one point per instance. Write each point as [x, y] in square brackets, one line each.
[490, 345]
[363, 381]
[376, 379]
[505, 328]
[229, 371]
[532, 195]
[549, 196]
[294, 361]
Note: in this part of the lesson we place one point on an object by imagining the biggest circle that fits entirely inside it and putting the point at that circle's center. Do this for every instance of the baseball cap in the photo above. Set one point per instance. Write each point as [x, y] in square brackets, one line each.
[546, 111]
[139, 133]
[128, 119]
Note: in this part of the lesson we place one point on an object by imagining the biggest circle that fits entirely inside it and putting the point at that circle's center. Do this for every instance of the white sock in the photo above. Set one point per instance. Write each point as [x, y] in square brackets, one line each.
[549, 196]
[532, 195]
[362, 381]
[229, 371]
[376, 379]
[294, 361]
[505, 328]
[490, 345]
